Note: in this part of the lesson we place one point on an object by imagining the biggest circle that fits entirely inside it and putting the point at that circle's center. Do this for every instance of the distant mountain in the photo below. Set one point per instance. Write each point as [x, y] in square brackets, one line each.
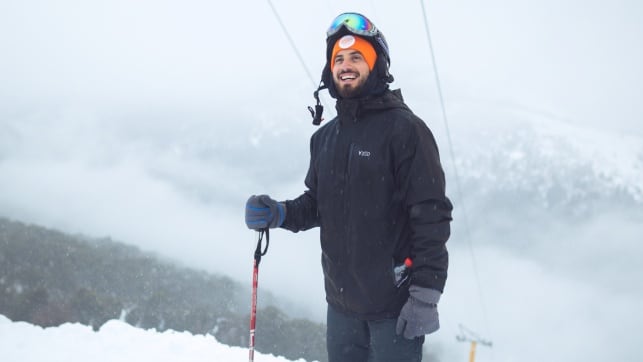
[49, 278]
[512, 155]
[566, 196]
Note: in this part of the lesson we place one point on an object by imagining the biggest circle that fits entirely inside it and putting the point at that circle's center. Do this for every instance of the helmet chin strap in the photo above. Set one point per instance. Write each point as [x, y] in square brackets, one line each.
[319, 109]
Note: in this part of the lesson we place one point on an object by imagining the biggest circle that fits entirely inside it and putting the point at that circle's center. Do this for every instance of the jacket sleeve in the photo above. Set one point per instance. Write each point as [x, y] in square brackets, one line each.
[421, 177]
[301, 213]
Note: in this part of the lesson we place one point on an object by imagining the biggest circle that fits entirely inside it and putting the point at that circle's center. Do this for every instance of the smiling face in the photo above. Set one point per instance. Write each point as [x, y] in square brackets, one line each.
[350, 71]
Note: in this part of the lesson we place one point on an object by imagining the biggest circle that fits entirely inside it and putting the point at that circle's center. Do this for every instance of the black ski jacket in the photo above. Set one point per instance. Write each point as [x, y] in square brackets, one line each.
[377, 190]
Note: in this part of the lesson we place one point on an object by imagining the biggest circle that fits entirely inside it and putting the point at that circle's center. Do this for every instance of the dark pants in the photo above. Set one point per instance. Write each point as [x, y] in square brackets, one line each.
[353, 340]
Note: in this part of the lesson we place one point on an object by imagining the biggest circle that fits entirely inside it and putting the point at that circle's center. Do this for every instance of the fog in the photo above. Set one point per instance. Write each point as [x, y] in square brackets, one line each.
[152, 122]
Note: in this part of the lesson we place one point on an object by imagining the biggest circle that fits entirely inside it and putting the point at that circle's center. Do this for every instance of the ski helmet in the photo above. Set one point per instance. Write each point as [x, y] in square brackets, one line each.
[356, 24]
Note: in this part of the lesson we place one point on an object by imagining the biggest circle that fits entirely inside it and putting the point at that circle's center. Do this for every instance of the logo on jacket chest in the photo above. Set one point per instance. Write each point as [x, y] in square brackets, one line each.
[363, 153]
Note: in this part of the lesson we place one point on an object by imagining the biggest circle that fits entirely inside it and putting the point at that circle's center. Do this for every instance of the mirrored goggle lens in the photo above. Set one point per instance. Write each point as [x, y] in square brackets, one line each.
[355, 23]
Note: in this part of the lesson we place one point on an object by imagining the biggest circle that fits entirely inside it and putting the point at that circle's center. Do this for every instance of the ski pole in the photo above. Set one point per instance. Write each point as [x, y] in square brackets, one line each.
[255, 279]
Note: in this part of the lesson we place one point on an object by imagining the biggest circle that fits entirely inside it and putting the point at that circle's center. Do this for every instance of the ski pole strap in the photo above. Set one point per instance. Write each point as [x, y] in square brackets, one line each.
[258, 252]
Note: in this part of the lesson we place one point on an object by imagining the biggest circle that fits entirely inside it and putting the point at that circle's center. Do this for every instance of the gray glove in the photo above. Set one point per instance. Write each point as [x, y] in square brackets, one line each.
[419, 316]
[262, 212]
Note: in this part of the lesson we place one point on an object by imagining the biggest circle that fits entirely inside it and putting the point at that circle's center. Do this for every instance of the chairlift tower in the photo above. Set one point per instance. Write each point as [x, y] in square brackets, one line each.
[466, 335]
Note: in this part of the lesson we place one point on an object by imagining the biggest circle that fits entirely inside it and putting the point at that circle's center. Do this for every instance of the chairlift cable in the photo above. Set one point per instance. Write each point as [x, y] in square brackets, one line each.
[294, 47]
[292, 43]
[455, 169]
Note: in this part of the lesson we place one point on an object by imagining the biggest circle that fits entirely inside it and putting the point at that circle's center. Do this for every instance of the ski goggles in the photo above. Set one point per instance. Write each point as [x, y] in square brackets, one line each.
[355, 23]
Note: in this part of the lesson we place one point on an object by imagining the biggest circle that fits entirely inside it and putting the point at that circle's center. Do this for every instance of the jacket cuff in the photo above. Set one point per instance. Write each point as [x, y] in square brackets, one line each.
[287, 224]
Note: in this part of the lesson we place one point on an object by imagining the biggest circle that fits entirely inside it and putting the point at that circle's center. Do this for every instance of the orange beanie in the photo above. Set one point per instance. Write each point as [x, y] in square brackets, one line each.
[358, 43]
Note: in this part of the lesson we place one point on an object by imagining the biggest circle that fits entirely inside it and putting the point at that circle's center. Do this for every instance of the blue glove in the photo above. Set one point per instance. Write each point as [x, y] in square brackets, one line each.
[419, 316]
[262, 212]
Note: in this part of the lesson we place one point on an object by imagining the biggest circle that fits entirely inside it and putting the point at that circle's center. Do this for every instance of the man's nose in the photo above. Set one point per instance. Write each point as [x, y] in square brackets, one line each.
[347, 65]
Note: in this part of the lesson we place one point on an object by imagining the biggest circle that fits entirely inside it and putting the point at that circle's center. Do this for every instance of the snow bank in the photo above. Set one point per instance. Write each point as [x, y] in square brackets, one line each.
[115, 341]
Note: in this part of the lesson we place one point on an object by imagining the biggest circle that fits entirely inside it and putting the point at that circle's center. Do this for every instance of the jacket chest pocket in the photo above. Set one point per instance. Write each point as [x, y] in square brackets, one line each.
[368, 169]
[363, 162]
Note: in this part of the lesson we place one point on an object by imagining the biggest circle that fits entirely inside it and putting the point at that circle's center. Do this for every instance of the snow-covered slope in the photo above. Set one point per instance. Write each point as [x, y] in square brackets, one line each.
[115, 341]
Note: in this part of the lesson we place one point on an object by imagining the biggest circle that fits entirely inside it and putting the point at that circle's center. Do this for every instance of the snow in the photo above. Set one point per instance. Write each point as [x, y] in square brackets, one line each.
[115, 341]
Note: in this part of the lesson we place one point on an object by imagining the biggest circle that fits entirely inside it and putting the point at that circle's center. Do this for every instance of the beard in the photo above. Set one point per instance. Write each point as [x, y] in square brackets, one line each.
[349, 90]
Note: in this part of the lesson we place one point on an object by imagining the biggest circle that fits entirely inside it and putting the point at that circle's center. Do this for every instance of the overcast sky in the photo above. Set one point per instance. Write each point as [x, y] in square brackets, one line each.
[153, 121]
[577, 59]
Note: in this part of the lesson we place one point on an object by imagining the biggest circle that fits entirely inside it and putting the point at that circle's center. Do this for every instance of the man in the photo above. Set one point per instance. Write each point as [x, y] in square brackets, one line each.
[376, 189]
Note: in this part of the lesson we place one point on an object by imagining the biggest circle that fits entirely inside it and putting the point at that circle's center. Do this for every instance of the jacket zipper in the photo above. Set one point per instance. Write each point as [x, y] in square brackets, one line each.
[347, 196]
